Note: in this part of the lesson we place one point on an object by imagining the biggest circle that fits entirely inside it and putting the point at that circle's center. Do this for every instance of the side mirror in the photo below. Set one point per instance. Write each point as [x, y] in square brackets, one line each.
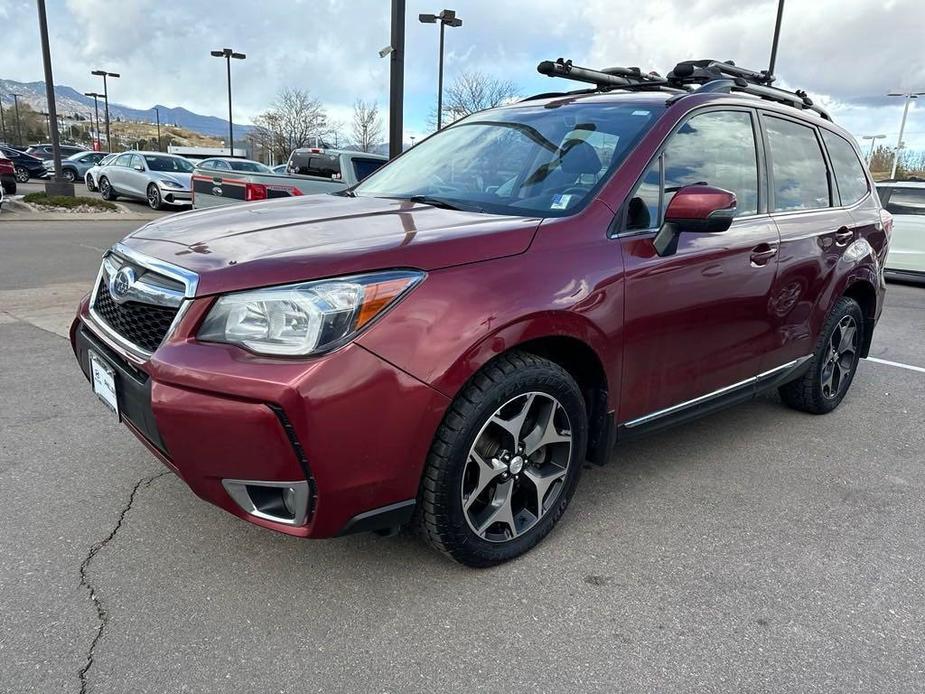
[138, 167]
[696, 208]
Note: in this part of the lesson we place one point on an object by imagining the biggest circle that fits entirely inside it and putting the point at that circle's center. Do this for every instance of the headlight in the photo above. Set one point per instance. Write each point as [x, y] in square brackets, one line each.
[306, 318]
[171, 184]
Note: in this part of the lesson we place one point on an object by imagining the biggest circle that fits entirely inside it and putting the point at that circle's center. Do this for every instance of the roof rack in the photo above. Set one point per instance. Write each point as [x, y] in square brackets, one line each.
[706, 75]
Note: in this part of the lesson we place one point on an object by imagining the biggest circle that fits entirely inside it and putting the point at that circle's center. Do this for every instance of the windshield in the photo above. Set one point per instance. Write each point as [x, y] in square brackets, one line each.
[251, 166]
[171, 164]
[537, 159]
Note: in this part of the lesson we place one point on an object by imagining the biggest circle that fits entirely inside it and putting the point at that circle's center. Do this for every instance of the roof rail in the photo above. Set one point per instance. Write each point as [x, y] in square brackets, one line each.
[707, 75]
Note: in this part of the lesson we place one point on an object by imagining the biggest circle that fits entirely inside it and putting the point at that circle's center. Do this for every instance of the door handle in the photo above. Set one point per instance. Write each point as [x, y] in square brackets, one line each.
[762, 254]
[843, 236]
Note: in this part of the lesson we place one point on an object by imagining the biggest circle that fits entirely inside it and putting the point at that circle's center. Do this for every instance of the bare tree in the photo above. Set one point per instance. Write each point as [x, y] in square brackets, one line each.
[295, 119]
[367, 127]
[475, 91]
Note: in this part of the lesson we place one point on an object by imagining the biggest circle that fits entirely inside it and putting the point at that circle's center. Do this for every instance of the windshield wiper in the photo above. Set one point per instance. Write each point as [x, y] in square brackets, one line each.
[444, 203]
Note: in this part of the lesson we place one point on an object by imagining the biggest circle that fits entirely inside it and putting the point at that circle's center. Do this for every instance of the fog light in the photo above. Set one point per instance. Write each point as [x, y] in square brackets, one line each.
[281, 502]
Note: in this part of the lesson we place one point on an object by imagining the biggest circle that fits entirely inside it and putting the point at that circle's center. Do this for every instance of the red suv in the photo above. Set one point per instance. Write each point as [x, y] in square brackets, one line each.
[446, 343]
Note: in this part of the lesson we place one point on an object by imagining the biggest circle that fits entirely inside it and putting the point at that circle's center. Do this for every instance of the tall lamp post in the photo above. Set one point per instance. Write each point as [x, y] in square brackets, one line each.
[228, 54]
[104, 75]
[909, 96]
[19, 141]
[445, 18]
[2, 124]
[873, 141]
[58, 186]
[96, 110]
[780, 16]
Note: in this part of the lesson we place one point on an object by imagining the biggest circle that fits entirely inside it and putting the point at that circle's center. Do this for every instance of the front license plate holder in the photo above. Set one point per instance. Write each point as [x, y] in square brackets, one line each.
[103, 377]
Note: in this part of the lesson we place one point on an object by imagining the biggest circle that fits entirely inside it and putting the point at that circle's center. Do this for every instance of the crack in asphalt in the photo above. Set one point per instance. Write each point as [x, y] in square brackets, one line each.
[85, 582]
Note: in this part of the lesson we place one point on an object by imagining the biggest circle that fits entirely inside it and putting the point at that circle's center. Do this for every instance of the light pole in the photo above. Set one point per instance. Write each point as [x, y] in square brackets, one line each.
[19, 142]
[228, 54]
[780, 16]
[909, 96]
[96, 110]
[157, 114]
[445, 18]
[2, 124]
[104, 75]
[873, 140]
[58, 186]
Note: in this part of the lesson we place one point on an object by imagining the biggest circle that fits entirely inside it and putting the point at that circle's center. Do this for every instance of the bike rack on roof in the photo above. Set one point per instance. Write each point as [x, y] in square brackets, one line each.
[687, 77]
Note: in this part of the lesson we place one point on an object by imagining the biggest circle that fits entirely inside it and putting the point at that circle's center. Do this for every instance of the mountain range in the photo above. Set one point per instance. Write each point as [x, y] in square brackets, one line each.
[69, 101]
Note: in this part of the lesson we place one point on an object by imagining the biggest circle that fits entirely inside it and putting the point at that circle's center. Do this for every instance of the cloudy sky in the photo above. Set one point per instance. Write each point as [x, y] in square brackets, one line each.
[845, 53]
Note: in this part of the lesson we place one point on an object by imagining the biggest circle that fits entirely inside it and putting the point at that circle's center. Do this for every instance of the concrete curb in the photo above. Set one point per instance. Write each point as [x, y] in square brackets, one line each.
[17, 211]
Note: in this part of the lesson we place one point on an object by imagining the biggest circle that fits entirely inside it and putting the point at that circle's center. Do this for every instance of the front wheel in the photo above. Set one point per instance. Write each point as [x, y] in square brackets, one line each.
[21, 175]
[505, 461]
[69, 175]
[106, 189]
[824, 384]
[89, 181]
[154, 197]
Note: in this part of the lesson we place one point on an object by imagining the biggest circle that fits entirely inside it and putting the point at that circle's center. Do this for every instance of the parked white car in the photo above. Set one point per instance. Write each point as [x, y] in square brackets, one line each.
[92, 176]
[160, 179]
[906, 202]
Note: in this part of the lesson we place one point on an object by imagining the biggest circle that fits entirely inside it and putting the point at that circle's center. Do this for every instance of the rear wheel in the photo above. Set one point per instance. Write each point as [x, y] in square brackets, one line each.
[505, 461]
[823, 386]
[154, 197]
[106, 189]
[21, 175]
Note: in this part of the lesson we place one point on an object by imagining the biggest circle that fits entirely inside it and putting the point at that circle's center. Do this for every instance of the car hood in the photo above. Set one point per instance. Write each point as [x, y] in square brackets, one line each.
[260, 244]
[182, 178]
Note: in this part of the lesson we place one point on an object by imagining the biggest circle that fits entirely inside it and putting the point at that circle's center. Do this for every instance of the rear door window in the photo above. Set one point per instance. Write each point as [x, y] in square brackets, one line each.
[798, 170]
[123, 160]
[849, 172]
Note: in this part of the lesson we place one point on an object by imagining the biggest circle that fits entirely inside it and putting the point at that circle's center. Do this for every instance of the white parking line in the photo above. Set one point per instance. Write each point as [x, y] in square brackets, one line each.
[896, 363]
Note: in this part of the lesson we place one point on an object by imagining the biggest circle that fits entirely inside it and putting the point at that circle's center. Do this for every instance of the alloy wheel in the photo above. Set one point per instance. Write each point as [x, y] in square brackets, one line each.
[154, 197]
[842, 357]
[21, 175]
[69, 176]
[517, 466]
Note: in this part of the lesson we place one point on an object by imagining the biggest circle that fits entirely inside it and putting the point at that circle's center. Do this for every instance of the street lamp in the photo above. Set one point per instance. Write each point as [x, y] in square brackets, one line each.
[445, 18]
[909, 96]
[104, 75]
[96, 110]
[774, 41]
[228, 54]
[873, 140]
[157, 114]
[18, 123]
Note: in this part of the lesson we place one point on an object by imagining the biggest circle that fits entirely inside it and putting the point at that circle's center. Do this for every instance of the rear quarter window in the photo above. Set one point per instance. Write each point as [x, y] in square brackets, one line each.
[314, 164]
[849, 172]
[364, 167]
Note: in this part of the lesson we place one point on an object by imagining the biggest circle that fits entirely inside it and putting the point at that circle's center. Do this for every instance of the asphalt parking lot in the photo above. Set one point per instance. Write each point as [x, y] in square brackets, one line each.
[758, 549]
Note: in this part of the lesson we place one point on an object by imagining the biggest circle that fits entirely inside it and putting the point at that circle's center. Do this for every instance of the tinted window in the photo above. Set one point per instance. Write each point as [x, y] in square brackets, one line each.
[123, 160]
[849, 172]
[248, 166]
[364, 167]
[311, 164]
[136, 161]
[797, 167]
[904, 200]
[715, 148]
[169, 164]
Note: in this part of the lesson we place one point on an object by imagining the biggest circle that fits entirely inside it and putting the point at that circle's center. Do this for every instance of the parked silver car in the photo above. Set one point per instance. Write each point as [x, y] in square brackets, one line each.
[75, 167]
[233, 164]
[92, 176]
[161, 179]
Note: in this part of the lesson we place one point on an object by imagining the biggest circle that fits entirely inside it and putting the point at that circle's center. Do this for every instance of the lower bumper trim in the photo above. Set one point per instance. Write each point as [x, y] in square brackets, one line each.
[384, 518]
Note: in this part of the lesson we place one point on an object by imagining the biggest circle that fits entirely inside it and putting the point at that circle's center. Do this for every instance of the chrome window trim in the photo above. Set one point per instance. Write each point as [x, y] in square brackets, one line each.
[645, 419]
[103, 330]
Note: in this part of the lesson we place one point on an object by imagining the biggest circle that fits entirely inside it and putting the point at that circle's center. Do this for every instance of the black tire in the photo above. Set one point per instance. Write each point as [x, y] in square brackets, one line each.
[89, 182]
[21, 174]
[810, 393]
[441, 517]
[9, 186]
[69, 175]
[154, 197]
[106, 190]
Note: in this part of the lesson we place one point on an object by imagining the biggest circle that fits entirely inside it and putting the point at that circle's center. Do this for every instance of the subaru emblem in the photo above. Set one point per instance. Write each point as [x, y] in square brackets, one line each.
[121, 282]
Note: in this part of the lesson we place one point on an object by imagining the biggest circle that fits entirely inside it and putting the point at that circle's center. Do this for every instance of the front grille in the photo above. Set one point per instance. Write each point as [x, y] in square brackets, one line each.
[144, 325]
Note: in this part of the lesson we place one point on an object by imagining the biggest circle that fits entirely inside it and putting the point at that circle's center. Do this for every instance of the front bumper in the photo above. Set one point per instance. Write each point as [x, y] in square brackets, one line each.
[175, 196]
[355, 427]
